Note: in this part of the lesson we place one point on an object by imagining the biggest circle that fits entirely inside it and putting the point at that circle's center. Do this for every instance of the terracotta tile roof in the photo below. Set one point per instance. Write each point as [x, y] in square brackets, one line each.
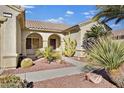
[45, 26]
[118, 32]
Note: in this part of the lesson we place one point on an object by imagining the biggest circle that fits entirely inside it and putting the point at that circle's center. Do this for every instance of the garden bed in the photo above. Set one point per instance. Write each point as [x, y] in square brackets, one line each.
[73, 81]
[40, 64]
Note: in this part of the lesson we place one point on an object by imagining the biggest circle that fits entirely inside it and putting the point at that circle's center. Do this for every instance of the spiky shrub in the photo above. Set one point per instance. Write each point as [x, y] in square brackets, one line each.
[70, 46]
[11, 81]
[27, 62]
[48, 54]
[39, 53]
[109, 54]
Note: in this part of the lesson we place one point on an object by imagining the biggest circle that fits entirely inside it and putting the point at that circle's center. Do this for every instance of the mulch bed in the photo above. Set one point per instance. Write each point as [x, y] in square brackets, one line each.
[73, 81]
[40, 64]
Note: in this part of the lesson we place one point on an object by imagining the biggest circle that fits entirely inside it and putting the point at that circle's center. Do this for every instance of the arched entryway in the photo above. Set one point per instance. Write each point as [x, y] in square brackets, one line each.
[54, 41]
[33, 41]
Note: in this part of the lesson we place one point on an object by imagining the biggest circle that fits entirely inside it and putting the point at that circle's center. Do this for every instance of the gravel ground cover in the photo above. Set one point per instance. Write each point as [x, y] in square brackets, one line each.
[73, 81]
[39, 65]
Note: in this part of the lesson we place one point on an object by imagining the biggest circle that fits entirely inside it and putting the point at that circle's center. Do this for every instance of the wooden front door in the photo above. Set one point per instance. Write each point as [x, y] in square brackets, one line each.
[53, 43]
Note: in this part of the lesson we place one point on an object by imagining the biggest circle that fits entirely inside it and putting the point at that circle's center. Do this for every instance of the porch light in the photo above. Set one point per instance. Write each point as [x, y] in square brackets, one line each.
[8, 15]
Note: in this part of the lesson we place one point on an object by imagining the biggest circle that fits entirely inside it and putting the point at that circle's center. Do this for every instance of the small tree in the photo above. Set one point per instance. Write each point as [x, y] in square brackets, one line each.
[92, 36]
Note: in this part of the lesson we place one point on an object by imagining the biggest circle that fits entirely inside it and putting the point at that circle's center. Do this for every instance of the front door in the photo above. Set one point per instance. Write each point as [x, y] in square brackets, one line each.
[53, 43]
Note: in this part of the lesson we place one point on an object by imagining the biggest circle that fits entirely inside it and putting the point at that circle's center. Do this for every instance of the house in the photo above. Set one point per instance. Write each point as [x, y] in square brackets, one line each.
[118, 35]
[21, 36]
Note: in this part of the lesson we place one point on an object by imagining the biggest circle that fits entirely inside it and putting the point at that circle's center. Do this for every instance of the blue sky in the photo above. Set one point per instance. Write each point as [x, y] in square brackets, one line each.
[67, 14]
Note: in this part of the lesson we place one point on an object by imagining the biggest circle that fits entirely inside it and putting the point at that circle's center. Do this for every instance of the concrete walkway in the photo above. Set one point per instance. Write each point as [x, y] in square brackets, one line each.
[54, 73]
[49, 74]
[78, 64]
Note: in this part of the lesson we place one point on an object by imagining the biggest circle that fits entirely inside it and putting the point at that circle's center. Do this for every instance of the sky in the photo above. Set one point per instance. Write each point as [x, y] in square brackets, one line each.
[65, 14]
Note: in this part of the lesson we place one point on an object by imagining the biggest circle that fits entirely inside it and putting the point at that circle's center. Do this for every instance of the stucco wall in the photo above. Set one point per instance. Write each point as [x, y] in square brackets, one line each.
[79, 35]
[9, 38]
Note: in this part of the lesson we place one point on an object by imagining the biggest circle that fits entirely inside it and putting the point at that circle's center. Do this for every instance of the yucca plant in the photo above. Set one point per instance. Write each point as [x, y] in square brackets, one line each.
[70, 46]
[109, 54]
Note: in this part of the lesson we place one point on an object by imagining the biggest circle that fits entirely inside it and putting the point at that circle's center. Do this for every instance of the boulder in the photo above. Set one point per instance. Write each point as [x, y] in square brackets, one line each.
[94, 78]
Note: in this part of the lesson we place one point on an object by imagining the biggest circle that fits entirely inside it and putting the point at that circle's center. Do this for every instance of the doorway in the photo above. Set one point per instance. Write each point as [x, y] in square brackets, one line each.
[53, 43]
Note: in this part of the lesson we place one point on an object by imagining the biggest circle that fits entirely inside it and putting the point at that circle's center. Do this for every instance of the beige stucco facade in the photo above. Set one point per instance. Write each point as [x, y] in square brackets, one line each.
[14, 36]
[45, 40]
[79, 33]
[9, 37]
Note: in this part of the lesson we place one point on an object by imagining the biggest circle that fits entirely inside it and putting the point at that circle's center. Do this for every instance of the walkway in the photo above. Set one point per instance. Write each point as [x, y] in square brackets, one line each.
[49, 74]
[54, 73]
[78, 64]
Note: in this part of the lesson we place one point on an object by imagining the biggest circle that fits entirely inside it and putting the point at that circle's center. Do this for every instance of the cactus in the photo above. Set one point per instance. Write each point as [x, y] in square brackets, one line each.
[70, 46]
[27, 62]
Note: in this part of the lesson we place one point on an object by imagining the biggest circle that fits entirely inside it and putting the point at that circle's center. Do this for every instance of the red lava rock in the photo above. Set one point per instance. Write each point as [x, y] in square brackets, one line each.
[39, 65]
[72, 81]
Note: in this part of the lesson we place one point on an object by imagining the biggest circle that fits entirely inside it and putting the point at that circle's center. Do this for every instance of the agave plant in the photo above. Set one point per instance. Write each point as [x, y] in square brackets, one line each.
[70, 46]
[110, 55]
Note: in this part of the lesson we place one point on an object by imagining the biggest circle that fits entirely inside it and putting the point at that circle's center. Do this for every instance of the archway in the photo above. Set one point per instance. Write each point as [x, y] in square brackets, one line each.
[33, 41]
[54, 41]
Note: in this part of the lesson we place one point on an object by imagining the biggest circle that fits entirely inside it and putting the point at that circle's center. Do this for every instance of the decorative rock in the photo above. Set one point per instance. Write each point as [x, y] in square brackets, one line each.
[78, 58]
[94, 78]
[59, 61]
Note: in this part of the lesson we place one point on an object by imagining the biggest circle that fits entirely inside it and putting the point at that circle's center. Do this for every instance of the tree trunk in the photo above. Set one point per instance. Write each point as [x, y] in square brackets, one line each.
[117, 76]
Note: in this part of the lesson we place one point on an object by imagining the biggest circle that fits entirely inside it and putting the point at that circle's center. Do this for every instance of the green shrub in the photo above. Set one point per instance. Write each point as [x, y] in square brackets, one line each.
[51, 55]
[47, 53]
[108, 53]
[39, 53]
[56, 55]
[11, 81]
[27, 62]
[70, 46]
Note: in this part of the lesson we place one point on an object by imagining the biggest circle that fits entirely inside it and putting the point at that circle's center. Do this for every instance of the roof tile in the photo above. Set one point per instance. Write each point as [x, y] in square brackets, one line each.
[45, 26]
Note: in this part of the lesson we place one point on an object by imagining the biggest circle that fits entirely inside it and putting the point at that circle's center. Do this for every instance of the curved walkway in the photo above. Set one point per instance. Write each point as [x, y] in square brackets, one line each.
[50, 74]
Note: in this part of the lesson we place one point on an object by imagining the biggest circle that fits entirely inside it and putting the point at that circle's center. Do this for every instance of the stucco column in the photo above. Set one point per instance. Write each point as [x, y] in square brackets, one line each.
[2, 20]
[45, 43]
[45, 40]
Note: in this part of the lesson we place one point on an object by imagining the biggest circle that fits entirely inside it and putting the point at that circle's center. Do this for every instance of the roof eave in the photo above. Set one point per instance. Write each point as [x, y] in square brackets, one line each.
[16, 8]
[44, 30]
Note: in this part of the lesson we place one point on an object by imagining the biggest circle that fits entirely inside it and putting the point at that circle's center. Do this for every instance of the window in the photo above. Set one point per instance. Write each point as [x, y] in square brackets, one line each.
[35, 43]
[28, 43]
[32, 43]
